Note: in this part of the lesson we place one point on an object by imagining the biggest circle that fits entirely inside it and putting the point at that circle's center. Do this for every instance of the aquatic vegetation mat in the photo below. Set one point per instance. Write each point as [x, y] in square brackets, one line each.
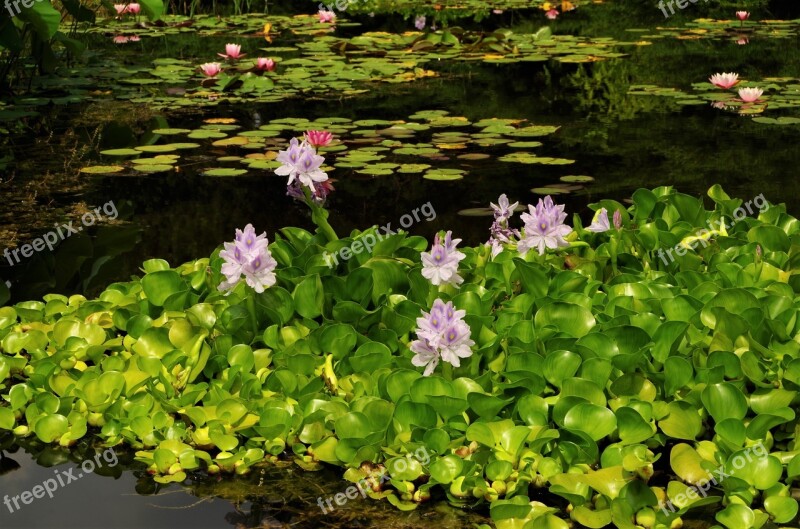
[607, 377]
[430, 143]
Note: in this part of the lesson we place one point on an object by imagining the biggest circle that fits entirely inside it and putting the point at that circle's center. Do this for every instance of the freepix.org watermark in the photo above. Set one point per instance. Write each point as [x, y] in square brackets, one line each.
[716, 478]
[62, 479]
[368, 241]
[682, 4]
[25, 3]
[352, 492]
[61, 232]
[703, 235]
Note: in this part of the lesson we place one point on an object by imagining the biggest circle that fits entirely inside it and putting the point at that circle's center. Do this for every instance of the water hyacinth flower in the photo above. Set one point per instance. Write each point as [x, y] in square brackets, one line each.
[232, 51]
[319, 138]
[600, 222]
[248, 256]
[724, 80]
[552, 14]
[544, 227]
[440, 265]
[301, 163]
[501, 234]
[742, 15]
[749, 95]
[618, 219]
[264, 64]
[211, 69]
[327, 17]
[419, 22]
[442, 334]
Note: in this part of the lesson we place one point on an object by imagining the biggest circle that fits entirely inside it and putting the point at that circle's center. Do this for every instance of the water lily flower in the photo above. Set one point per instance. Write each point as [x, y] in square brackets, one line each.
[121, 39]
[552, 14]
[724, 80]
[618, 219]
[134, 38]
[120, 8]
[319, 138]
[302, 163]
[211, 69]
[264, 64]
[134, 8]
[497, 11]
[599, 222]
[742, 41]
[327, 17]
[419, 22]
[440, 265]
[742, 15]
[748, 95]
[544, 227]
[249, 256]
[442, 334]
[232, 51]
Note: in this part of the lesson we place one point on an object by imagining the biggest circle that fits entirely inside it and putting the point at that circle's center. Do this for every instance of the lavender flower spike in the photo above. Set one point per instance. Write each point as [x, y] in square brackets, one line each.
[440, 265]
[544, 227]
[248, 256]
[442, 335]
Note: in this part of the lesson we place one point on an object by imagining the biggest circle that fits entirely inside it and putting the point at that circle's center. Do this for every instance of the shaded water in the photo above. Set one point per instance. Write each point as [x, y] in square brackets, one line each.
[623, 141]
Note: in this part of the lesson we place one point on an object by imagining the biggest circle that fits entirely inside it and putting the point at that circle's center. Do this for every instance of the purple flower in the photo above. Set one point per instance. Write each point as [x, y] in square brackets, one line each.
[501, 234]
[440, 265]
[618, 219]
[599, 222]
[442, 335]
[503, 211]
[544, 227]
[419, 22]
[301, 162]
[248, 256]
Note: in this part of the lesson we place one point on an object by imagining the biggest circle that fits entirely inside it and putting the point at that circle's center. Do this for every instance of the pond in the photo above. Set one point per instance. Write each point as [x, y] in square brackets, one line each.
[128, 153]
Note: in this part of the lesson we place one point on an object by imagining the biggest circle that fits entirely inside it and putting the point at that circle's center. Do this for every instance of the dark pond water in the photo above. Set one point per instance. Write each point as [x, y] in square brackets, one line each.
[624, 141]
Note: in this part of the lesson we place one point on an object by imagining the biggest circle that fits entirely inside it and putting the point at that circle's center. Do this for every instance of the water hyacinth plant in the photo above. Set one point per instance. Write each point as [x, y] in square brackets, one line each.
[591, 373]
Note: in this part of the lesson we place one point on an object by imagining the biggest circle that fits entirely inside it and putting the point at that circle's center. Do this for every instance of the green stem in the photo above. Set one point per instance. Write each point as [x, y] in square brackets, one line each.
[320, 217]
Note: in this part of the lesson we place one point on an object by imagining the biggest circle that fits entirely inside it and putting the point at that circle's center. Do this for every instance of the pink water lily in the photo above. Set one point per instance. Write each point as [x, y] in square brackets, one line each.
[134, 9]
[742, 15]
[232, 51]
[327, 17]
[319, 138]
[211, 69]
[552, 14]
[748, 95]
[742, 41]
[724, 80]
[265, 64]
[120, 8]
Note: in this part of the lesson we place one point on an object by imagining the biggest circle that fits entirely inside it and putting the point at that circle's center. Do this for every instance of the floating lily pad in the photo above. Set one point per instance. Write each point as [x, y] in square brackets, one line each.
[576, 179]
[102, 169]
[121, 152]
[444, 174]
[224, 171]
